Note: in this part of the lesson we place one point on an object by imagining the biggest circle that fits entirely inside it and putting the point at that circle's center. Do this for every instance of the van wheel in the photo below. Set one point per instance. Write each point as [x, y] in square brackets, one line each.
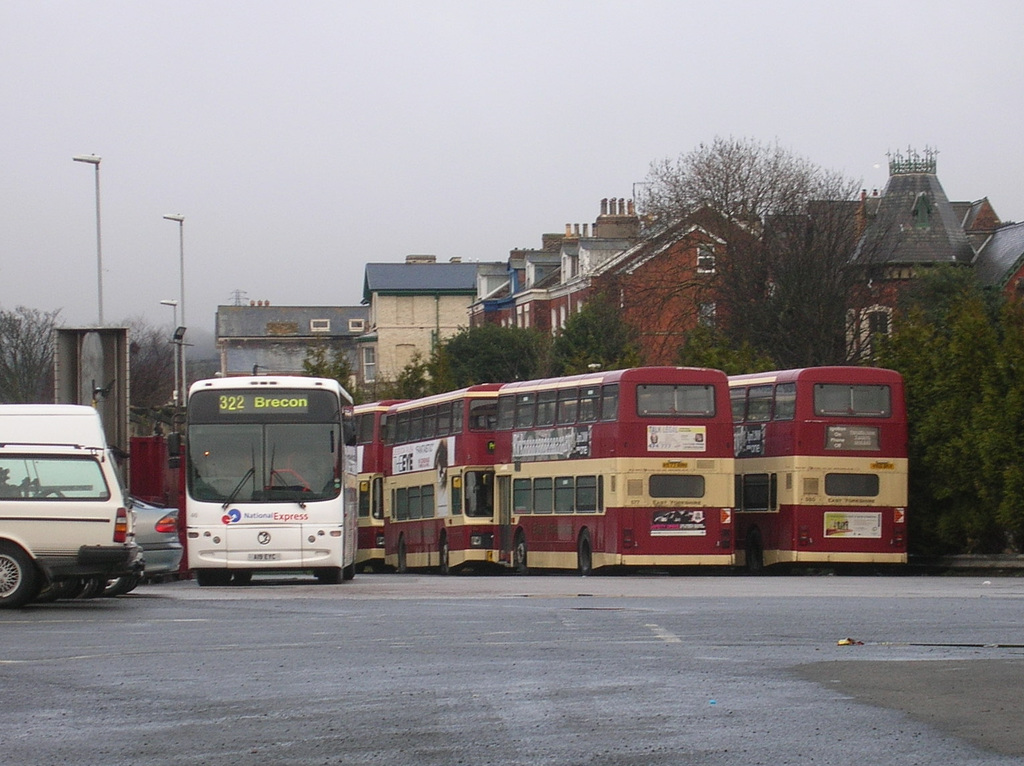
[584, 559]
[19, 578]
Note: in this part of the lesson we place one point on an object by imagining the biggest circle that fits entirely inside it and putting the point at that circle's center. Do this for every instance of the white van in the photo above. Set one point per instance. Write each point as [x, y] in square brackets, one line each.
[63, 513]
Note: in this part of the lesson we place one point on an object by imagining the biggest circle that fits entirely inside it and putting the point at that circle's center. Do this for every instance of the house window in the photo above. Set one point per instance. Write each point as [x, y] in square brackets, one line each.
[319, 325]
[705, 259]
[369, 364]
[878, 323]
[356, 325]
[706, 314]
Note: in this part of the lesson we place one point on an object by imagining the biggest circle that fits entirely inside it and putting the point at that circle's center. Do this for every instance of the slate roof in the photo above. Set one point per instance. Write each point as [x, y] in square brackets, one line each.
[1002, 256]
[915, 224]
[276, 321]
[390, 278]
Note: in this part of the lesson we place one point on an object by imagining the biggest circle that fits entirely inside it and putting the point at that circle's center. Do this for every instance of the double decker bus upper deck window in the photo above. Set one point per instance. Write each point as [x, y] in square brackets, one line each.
[483, 414]
[759, 404]
[444, 419]
[546, 406]
[525, 410]
[610, 402]
[506, 412]
[738, 400]
[568, 403]
[675, 401]
[785, 401]
[364, 428]
[845, 400]
[588, 404]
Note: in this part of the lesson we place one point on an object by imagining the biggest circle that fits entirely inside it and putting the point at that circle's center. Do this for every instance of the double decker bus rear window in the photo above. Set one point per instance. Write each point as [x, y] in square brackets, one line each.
[851, 484]
[846, 400]
[675, 401]
[676, 485]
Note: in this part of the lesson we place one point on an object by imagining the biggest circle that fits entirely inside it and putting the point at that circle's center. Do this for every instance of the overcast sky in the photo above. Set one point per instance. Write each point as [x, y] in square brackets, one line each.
[302, 140]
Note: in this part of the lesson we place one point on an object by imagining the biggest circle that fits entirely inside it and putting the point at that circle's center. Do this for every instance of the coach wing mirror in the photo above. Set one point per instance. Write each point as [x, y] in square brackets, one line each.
[348, 429]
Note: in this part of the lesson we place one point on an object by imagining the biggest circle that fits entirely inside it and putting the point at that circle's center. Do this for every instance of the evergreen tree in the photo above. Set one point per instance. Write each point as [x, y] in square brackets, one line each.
[595, 338]
[487, 354]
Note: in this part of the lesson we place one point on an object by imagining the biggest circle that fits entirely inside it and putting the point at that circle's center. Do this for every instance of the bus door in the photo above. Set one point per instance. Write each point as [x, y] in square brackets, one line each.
[504, 519]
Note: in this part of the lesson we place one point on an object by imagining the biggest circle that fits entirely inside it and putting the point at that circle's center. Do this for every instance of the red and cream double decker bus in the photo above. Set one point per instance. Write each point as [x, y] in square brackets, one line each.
[622, 468]
[371, 422]
[439, 480]
[821, 467]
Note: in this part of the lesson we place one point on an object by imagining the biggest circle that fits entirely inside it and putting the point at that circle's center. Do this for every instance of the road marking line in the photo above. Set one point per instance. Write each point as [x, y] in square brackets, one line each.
[667, 636]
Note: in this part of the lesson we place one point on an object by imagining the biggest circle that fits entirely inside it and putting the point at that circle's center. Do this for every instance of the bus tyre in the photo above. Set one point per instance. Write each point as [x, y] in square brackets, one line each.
[755, 554]
[348, 572]
[584, 559]
[403, 564]
[19, 579]
[329, 575]
[519, 554]
[212, 577]
[443, 566]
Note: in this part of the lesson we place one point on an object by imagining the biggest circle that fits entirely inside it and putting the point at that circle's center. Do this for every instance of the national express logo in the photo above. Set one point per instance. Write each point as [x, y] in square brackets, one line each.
[232, 517]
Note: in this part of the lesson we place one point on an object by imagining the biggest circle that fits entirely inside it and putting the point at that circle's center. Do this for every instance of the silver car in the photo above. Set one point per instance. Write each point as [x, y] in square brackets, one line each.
[156, 532]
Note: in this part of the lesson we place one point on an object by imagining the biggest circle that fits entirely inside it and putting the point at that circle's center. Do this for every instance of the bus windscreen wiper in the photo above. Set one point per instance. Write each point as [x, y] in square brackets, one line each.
[238, 487]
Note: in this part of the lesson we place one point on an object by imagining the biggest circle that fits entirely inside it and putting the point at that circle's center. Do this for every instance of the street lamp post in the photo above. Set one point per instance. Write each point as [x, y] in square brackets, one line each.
[180, 220]
[177, 347]
[93, 160]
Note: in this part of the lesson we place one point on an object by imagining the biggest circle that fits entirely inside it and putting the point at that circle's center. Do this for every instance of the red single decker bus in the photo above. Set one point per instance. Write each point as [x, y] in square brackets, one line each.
[821, 467]
[371, 422]
[622, 468]
[439, 480]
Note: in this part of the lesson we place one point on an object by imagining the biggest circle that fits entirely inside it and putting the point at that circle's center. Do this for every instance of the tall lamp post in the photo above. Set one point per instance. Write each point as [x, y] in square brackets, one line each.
[177, 348]
[93, 160]
[180, 220]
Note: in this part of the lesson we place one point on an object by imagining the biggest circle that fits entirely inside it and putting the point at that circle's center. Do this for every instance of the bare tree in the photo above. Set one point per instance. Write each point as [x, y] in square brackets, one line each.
[789, 228]
[151, 360]
[26, 355]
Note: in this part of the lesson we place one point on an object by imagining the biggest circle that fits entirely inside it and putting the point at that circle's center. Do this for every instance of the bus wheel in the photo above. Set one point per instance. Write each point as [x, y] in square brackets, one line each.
[19, 579]
[443, 566]
[584, 561]
[329, 575]
[519, 554]
[212, 577]
[403, 564]
[755, 554]
[348, 572]
[242, 577]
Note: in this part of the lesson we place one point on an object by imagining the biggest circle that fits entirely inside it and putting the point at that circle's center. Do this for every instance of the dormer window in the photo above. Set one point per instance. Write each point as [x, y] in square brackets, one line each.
[356, 325]
[319, 325]
[922, 212]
